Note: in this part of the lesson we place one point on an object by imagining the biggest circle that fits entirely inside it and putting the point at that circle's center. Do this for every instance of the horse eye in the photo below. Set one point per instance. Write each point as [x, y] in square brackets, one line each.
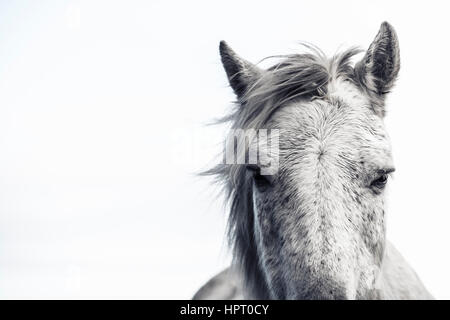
[262, 182]
[380, 182]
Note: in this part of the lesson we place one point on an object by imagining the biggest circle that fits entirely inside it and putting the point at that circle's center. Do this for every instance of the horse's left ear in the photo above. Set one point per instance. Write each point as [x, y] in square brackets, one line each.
[379, 68]
[241, 73]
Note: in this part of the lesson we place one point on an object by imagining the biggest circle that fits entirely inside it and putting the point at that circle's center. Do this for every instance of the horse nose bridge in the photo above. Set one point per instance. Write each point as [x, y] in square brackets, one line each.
[334, 280]
[329, 270]
[324, 286]
[327, 289]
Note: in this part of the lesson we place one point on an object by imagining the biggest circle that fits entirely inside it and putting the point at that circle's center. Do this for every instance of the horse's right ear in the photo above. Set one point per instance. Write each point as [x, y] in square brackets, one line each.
[241, 73]
[379, 68]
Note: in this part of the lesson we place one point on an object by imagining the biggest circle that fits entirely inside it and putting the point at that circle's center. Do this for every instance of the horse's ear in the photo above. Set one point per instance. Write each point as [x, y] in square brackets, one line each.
[241, 73]
[379, 68]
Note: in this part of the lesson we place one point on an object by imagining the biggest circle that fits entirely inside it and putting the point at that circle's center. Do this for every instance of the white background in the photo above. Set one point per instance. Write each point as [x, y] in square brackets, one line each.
[103, 107]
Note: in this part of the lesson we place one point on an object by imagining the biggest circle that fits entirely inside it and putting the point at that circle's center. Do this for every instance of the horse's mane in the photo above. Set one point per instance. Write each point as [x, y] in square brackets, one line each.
[297, 76]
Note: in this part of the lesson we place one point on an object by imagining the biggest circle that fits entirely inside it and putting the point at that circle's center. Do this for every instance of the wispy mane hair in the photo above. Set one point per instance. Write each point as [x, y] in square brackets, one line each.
[295, 77]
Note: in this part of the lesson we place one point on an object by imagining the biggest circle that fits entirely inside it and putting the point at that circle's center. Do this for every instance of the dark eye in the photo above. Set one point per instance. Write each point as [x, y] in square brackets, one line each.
[262, 182]
[380, 182]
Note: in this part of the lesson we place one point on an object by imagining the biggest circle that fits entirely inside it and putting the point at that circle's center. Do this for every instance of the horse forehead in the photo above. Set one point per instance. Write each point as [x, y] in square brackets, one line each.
[335, 126]
[329, 120]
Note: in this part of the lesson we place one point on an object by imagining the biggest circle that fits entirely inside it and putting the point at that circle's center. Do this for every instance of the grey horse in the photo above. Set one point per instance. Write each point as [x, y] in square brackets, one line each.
[314, 228]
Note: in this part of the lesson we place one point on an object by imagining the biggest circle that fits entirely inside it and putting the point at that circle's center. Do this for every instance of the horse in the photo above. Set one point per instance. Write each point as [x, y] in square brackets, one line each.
[315, 227]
